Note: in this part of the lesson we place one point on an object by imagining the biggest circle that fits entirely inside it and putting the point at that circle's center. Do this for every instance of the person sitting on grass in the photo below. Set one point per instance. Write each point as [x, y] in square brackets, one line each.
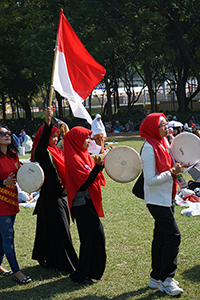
[117, 127]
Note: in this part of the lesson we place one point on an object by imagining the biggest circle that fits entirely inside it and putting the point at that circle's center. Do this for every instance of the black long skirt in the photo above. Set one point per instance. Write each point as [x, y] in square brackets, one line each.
[92, 256]
[53, 244]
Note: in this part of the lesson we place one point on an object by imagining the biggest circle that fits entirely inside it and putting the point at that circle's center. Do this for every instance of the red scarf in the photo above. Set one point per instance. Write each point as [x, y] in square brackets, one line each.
[78, 165]
[56, 152]
[149, 130]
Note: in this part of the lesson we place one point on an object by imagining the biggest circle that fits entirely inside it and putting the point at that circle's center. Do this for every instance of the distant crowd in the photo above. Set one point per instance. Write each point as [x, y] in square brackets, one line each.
[173, 130]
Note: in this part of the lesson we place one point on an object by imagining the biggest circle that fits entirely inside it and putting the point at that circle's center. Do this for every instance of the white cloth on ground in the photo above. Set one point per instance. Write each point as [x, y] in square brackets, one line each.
[193, 207]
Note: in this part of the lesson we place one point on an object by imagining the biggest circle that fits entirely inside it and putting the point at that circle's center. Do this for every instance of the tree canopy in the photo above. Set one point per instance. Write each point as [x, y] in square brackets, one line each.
[158, 40]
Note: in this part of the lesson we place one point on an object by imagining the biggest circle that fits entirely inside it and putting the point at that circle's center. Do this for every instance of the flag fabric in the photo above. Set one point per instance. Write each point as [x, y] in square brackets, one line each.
[76, 72]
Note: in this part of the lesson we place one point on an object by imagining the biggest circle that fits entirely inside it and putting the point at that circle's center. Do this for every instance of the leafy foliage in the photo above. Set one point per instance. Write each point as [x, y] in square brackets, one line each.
[158, 40]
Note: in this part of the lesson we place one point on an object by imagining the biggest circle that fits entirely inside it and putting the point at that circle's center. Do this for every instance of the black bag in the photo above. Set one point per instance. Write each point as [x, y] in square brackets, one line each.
[138, 188]
[192, 185]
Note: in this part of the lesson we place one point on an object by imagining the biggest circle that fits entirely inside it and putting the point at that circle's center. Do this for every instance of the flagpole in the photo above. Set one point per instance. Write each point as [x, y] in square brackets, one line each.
[53, 70]
[52, 76]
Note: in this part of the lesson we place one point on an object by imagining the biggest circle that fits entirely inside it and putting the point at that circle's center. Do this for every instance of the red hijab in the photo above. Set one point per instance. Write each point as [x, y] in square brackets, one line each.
[56, 153]
[149, 130]
[78, 165]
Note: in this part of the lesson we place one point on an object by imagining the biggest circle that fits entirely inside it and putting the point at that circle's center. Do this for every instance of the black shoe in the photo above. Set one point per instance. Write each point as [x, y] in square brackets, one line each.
[26, 280]
[72, 276]
[6, 273]
[88, 280]
[42, 263]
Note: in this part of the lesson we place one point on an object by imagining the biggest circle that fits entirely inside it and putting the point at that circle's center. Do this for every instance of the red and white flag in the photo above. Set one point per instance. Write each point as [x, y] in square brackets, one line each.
[76, 72]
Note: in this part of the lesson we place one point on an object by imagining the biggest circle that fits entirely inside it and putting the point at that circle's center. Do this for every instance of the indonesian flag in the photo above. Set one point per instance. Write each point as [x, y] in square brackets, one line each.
[76, 72]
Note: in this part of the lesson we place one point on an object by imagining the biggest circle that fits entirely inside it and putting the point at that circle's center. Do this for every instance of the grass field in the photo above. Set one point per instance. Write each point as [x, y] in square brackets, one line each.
[128, 228]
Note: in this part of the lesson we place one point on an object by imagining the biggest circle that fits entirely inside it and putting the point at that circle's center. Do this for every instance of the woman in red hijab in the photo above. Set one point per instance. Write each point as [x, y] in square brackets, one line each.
[159, 191]
[9, 206]
[84, 178]
[53, 244]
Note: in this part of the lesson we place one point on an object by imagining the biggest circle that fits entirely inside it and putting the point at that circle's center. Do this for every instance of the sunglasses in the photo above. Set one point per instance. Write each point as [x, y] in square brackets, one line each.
[4, 133]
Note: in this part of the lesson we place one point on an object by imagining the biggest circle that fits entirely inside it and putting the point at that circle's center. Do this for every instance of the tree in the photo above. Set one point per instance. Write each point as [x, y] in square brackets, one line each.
[26, 50]
[183, 29]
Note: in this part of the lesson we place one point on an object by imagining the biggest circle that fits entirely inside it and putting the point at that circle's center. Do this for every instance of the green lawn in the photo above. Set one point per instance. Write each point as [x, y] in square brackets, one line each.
[128, 228]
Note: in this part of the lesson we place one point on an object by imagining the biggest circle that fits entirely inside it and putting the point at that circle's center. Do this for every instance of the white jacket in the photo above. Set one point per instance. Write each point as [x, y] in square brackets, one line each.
[157, 186]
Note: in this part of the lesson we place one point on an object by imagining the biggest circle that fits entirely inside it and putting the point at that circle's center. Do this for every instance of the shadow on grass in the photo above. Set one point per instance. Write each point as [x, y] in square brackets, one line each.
[151, 296]
[192, 274]
[42, 290]
[37, 273]
[61, 284]
[38, 289]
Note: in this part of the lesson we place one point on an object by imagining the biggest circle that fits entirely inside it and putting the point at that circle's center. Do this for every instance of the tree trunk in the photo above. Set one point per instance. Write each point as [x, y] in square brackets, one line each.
[27, 108]
[114, 102]
[116, 94]
[59, 99]
[180, 92]
[3, 108]
[148, 79]
[129, 98]
[90, 103]
[181, 96]
[155, 97]
[70, 112]
[12, 102]
[18, 115]
[108, 105]
[45, 97]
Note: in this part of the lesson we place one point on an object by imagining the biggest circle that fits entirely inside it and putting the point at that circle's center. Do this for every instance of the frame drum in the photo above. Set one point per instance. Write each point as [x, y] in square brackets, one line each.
[185, 148]
[30, 177]
[123, 164]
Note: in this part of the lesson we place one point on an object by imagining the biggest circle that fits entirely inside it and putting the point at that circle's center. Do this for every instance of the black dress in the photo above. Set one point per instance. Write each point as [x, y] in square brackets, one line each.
[53, 244]
[92, 256]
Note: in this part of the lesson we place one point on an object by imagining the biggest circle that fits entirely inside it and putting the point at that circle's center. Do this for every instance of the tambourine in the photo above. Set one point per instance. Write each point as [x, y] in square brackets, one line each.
[123, 164]
[185, 148]
[30, 177]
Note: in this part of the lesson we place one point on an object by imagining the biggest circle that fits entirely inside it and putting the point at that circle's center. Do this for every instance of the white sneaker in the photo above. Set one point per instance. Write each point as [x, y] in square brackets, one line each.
[153, 284]
[177, 283]
[170, 287]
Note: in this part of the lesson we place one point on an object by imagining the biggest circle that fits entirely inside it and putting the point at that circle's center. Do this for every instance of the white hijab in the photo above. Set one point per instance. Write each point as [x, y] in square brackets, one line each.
[97, 126]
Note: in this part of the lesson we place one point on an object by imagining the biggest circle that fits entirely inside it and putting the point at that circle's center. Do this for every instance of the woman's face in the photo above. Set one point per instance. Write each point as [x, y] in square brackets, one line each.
[53, 139]
[98, 119]
[5, 136]
[87, 142]
[163, 128]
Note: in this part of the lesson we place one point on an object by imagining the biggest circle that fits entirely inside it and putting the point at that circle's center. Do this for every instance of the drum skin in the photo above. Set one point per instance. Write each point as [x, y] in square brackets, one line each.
[123, 164]
[185, 148]
[30, 177]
